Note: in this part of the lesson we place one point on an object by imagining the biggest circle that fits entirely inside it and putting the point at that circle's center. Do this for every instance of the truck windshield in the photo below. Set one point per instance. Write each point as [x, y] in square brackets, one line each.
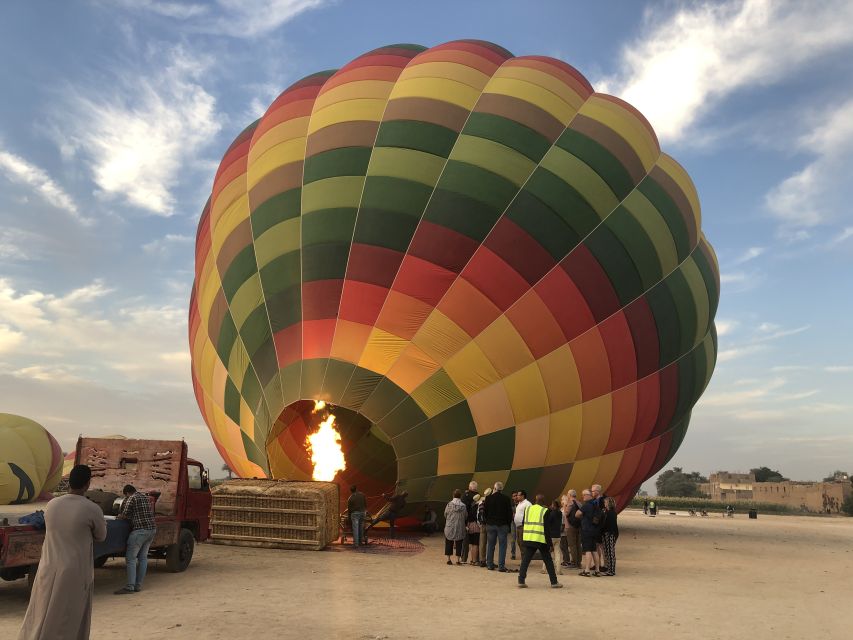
[194, 476]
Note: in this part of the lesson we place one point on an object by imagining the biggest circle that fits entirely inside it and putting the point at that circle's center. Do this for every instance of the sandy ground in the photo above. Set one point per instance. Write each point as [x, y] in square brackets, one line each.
[678, 577]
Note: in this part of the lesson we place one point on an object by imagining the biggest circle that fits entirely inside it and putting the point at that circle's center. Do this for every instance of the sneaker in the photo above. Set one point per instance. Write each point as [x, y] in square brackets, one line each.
[565, 564]
[604, 569]
[491, 568]
[502, 569]
[521, 585]
[556, 585]
[124, 590]
[137, 588]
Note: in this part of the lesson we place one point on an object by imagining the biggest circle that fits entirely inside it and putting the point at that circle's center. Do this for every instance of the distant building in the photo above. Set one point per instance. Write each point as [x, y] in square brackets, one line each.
[728, 487]
[814, 497]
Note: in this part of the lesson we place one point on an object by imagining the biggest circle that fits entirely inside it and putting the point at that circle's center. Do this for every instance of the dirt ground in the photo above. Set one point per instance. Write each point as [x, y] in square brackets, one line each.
[678, 577]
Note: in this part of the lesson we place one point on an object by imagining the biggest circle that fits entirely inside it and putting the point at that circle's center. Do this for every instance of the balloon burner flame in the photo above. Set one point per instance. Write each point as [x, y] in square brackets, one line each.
[325, 448]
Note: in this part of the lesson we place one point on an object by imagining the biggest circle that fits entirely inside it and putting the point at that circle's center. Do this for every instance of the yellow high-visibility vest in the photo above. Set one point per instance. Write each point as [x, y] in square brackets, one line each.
[534, 524]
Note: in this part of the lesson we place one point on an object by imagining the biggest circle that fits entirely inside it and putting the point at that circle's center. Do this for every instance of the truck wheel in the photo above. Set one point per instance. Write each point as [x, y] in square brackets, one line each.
[31, 576]
[100, 562]
[178, 555]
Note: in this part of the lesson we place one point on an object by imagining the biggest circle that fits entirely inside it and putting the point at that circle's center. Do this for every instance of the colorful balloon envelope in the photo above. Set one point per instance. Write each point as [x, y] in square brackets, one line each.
[490, 271]
[30, 460]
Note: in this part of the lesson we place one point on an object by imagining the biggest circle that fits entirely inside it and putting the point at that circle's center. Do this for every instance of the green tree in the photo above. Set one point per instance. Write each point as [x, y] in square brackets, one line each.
[675, 483]
[226, 468]
[766, 474]
[836, 475]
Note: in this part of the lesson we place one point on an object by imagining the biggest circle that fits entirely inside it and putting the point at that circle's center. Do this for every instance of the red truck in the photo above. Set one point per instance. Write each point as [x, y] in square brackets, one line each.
[161, 468]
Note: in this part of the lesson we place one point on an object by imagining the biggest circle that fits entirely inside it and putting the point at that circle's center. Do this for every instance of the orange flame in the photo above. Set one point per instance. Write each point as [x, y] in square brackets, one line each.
[325, 448]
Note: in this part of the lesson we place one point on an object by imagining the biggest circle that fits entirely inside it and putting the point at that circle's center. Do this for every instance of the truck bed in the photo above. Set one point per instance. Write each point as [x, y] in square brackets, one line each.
[15, 511]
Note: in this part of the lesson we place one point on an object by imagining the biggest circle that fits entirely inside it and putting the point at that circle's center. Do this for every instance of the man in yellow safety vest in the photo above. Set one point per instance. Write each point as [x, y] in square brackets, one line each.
[535, 538]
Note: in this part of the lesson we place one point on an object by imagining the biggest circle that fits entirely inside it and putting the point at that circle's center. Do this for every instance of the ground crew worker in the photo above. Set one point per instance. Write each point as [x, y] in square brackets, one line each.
[534, 537]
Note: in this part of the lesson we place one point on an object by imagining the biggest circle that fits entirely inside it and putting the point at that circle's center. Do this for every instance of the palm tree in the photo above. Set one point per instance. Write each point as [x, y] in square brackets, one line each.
[225, 467]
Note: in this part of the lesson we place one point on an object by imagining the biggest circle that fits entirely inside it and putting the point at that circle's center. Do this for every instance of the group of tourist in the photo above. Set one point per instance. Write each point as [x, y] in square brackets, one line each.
[581, 533]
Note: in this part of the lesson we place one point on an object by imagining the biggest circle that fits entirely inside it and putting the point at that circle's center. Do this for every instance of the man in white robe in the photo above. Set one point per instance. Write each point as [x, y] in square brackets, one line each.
[61, 601]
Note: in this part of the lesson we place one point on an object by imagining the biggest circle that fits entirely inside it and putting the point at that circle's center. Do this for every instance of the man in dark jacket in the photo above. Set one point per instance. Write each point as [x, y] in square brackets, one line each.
[357, 508]
[498, 516]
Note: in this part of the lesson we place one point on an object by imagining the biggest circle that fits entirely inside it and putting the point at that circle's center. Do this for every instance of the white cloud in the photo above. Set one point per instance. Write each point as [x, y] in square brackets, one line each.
[749, 254]
[733, 277]
[238, 18]
[742, 395]
[756, 341]
[769, 331]
[164, 244]
[180, 10]
[49, 373]
[733, 353]
[17, 169]
[12, 243]
[89, 335]
[816, 193]
[685, 63]
[839, 369]
[139, 137]
[725, 326]
[9, 338]
[845, 235]
[250, 18]
[789, 368]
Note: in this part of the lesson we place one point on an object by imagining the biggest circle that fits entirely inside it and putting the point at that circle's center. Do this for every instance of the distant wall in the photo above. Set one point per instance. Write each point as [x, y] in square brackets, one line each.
[817, 497]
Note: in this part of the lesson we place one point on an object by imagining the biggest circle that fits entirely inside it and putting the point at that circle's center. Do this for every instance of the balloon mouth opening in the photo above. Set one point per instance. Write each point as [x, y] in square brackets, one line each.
[313, 440]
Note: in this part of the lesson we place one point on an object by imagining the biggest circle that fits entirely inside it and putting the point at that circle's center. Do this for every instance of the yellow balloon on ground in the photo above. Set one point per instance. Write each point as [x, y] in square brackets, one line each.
[30, 460]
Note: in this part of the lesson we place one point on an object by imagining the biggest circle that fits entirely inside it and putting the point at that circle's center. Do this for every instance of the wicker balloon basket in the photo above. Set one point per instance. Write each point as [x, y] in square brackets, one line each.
[275, 514]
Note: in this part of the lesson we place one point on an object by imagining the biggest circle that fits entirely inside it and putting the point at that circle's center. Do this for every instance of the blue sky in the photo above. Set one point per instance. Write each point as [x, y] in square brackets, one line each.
[115, 114]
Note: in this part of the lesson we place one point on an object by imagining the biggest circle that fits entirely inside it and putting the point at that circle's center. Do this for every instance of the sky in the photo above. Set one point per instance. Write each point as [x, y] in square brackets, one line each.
[115, 114]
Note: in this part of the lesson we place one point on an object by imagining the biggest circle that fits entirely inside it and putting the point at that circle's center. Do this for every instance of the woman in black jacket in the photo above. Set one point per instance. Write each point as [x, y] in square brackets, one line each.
[610, 528]
[553, 530]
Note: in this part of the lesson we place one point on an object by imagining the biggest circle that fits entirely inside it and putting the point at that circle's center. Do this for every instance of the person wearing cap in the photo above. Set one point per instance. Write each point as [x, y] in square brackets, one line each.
[61, 600]
[535, 536]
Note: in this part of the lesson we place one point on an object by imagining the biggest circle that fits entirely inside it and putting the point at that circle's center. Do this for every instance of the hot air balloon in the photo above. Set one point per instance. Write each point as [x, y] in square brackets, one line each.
[487, 269]
[30, 460]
